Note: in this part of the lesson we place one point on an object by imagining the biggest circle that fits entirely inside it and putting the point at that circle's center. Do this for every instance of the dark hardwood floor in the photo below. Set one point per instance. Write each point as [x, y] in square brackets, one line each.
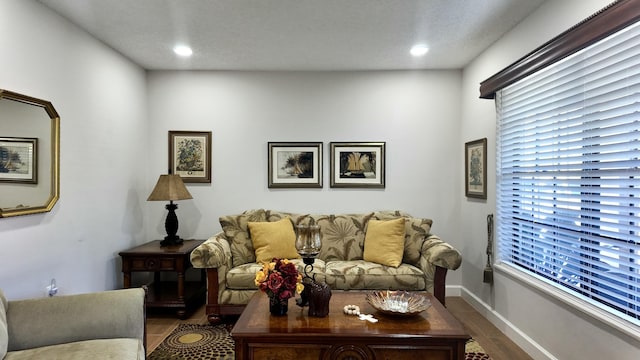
[494, 342]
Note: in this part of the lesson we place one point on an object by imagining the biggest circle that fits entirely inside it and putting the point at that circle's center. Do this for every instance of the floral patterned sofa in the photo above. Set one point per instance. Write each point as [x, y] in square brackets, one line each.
[230, 261]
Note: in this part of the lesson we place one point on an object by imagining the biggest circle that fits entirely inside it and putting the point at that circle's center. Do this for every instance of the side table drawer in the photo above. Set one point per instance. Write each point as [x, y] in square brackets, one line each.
[153, 264]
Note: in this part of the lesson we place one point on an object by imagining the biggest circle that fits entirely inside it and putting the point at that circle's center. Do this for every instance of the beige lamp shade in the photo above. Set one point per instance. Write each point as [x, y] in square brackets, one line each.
[169, 187]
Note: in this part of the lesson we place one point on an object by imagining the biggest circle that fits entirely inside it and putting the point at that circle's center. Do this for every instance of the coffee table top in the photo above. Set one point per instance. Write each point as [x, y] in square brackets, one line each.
[433, 322]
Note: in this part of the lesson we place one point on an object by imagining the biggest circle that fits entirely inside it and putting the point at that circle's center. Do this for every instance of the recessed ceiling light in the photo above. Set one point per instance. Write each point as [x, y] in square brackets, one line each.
[183, 50]
[419, 50]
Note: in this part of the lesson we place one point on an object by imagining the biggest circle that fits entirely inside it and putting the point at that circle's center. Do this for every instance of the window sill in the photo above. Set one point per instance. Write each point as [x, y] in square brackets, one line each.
[575, 302]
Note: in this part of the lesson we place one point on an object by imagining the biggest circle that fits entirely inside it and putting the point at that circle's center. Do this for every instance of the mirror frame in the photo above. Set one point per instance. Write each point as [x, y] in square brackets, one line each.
[55, 154]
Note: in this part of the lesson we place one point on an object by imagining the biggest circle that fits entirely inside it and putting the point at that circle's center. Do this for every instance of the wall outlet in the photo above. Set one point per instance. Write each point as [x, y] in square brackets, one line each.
[52, 289]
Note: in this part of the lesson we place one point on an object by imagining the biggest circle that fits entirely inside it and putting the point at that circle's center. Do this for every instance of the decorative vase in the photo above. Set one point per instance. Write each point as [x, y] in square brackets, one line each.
[277, 306]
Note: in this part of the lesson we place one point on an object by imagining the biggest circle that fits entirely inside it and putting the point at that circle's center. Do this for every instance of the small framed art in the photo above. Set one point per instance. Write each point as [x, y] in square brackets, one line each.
[475, 168]
[357, 164]
[190, 155]
[295, 164]
[19, 160]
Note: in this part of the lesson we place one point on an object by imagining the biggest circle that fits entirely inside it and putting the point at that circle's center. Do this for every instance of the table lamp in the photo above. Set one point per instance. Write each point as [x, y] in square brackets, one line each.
[170, 187]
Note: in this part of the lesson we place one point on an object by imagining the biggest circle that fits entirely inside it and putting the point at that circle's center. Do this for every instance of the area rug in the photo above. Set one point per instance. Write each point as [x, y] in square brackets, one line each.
[473, 351]
[199, 342]
[196, 342]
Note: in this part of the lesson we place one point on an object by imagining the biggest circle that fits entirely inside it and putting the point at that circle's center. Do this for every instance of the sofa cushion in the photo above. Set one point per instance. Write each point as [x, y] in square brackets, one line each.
[4, 335]
[342, 235]
[273, 240]
[416, 231]
[365, 275]
[236, 231]
[384, 242]
[273, 215]
[242, 277]
[82, 350]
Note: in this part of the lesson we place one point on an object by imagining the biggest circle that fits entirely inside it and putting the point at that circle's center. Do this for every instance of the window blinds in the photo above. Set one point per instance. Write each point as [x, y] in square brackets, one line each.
[568, 174]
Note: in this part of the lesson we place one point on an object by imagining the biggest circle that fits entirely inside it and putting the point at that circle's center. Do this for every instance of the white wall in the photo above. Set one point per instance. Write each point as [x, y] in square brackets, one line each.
[101, 99]
[416, 113]
[542, 325]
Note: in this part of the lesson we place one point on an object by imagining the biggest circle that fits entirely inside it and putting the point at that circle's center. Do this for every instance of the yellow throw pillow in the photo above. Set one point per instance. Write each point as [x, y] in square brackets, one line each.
[273, 239]
[384, 242]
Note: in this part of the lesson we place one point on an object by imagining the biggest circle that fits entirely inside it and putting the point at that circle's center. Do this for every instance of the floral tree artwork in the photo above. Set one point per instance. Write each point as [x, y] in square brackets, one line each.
[476, 169]
[190, 155]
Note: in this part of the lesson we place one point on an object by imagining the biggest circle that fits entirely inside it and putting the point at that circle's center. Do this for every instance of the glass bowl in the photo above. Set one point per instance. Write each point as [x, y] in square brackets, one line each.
[398, 302]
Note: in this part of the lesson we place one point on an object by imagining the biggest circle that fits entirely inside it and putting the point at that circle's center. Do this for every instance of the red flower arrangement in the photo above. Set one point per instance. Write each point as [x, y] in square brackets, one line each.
[279, 278]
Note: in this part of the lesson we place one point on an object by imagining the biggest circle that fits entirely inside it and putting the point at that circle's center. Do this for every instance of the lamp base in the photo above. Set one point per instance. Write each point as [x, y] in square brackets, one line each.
[171, 225]
[171, 241]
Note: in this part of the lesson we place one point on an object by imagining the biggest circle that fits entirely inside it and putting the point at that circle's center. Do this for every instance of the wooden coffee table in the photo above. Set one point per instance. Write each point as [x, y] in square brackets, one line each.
[434, 334]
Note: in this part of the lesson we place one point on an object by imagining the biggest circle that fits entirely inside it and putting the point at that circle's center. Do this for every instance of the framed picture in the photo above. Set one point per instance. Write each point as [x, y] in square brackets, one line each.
[190, 155]
[295, 164]
[357, 164]
[19, 160]
[475, 169]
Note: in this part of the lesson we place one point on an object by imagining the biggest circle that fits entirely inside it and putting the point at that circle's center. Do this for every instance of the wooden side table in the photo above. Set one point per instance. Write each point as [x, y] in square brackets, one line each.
[182, 295]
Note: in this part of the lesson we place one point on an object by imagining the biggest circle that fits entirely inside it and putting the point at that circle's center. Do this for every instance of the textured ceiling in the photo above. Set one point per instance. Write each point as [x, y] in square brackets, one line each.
[297, 34]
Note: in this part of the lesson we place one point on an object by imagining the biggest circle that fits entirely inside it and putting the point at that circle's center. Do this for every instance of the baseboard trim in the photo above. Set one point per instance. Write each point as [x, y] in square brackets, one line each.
[511, 331]
[453, 290]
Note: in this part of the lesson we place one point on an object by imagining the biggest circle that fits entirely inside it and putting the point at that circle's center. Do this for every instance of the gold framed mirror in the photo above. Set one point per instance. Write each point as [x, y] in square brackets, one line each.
[29, 155]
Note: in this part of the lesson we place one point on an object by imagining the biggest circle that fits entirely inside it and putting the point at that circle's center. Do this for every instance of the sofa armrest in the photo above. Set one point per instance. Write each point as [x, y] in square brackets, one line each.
[62, 319]
[436, 258]
[440, 253]
[213, 253]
